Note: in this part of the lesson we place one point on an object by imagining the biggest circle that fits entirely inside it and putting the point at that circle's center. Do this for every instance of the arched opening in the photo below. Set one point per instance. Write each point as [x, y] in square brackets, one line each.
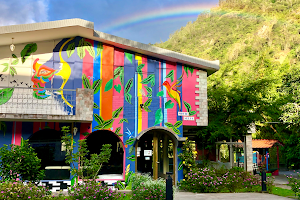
[114, 169]
[156, 152]
[47, 144]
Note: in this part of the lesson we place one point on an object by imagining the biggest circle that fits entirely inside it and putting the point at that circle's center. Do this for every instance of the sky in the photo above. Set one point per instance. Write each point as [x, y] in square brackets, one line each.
[146, 21]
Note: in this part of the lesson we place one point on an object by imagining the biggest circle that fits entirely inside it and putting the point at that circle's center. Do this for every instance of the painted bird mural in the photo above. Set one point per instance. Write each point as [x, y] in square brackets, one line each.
[173, 92]
[64, 72]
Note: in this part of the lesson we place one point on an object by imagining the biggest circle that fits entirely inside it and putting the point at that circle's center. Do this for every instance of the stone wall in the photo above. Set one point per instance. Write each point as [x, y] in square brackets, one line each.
[201, 100]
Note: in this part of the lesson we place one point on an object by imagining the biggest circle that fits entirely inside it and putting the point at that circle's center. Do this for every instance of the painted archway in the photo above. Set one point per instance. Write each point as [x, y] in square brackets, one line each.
[115, 168]
[171, 133]
[163, 143]
[47, 144]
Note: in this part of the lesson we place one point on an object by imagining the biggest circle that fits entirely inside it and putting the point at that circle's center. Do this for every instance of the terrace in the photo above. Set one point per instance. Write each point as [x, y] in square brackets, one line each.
[19, 103]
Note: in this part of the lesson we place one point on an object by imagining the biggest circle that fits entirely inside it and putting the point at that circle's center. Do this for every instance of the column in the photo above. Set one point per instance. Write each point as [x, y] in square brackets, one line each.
[249, 156]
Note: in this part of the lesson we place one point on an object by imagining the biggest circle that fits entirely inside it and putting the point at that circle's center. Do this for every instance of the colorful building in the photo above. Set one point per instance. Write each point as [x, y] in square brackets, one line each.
[139, 98]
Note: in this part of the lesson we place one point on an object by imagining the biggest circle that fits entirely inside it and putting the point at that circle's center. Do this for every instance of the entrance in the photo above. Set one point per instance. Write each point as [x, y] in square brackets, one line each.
[114, 168]
[47, 144]
[155, 152]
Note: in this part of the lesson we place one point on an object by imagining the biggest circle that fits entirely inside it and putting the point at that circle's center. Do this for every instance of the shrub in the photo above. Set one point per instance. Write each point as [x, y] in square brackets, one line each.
[187, 157]
[92, 190]
[18, 190]
[203, 180]
[206, 180]
[238, 179]
[144, 187]
[295, 185]
[270, 184]
[20, 162]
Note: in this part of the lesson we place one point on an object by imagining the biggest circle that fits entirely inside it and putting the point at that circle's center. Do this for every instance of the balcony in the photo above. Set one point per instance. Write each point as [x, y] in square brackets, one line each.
[46, 104]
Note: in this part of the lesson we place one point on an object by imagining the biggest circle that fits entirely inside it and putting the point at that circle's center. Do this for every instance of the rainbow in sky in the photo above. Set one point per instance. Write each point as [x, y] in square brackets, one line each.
[170, 13]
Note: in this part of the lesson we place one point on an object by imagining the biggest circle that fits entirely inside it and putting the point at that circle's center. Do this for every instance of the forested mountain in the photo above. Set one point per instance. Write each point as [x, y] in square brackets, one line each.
[258, 45]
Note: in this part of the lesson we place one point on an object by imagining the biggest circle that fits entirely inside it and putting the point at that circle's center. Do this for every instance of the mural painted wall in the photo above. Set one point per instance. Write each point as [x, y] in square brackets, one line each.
[132, 92]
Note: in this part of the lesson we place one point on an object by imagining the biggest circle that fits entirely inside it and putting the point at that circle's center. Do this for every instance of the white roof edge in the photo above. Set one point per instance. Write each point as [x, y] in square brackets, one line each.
[46, 25]
[210, 66]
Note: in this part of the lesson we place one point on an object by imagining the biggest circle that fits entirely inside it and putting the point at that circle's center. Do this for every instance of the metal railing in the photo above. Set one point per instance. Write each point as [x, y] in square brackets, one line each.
[20, 100]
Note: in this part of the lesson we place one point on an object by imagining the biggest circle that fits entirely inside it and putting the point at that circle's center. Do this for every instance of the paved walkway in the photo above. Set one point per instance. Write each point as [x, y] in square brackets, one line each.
[225, 196]
[281, 180]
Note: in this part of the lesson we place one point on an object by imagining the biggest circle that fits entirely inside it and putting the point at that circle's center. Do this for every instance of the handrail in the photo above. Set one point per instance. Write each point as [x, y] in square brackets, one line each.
[39, 88]
[49, 101]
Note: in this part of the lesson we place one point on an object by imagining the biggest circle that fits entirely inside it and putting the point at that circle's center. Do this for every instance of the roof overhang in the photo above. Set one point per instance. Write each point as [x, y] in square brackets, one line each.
[44, 31]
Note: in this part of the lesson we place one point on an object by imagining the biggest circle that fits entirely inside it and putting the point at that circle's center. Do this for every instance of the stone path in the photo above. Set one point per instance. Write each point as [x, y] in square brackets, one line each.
[226, 196]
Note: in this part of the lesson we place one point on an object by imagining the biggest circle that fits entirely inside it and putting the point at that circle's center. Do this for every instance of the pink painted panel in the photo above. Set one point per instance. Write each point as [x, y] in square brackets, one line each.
[144, 99]
[84, 127]
[18, 133]
[188, 87]
[88, 64]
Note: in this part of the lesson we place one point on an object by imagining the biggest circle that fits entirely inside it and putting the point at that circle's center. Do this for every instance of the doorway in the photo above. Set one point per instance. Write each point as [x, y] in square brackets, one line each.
[155, 152]
[114, 168]
[47, 144]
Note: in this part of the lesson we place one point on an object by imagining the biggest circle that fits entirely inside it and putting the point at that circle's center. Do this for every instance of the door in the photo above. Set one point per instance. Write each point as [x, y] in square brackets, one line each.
[155, 154]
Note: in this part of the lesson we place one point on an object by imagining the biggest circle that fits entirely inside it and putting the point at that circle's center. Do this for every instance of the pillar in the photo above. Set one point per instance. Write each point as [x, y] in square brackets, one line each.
[165, 154]
[155, 154]
[248, 158]
[231, 158]
[217, 153]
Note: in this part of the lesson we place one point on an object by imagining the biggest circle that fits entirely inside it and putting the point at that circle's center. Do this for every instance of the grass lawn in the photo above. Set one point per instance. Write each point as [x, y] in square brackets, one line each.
[283, 192]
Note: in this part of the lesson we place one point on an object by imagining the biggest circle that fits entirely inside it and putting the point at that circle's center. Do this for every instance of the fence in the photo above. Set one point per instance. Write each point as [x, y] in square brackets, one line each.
[37, 101]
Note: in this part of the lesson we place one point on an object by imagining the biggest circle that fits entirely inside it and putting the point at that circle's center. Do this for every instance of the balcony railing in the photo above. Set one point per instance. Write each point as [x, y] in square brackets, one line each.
[46, 101]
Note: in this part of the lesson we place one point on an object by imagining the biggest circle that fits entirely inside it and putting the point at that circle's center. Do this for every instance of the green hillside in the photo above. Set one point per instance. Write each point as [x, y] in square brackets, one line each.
[258, 45]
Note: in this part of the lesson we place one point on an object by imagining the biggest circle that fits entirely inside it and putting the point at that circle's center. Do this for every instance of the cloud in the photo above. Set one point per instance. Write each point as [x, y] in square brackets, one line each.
[22, 12]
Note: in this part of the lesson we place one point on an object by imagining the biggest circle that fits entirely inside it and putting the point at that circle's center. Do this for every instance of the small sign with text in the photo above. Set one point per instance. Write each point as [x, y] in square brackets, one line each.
[189, 118]
[183, 114]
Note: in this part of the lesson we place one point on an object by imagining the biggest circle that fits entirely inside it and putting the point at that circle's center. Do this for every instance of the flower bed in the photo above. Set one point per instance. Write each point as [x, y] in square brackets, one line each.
[93, 190]
[207, 180]
[295, 185]
[144, 187]
[18, 190]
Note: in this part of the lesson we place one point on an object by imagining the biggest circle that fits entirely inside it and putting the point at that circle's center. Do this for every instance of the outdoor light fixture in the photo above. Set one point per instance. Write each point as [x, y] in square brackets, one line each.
[12, 46]
[75, 129]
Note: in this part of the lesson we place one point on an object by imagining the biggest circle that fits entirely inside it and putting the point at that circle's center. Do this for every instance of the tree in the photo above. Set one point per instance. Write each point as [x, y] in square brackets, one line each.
[233, 108]
[88, 168]
[20, 162]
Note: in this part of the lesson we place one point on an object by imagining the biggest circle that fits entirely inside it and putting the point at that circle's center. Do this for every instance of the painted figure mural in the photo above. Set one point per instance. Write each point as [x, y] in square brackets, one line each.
[132, 92]
[41, 75]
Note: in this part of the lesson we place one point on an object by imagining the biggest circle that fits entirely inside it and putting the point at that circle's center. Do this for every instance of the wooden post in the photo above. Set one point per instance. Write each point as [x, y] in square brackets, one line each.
[231, 160]
[217, 153]
[155, 154]
[277, 158]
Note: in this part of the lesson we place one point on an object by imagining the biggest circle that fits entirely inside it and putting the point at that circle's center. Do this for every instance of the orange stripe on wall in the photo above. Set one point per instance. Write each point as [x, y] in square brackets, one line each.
[107, 66]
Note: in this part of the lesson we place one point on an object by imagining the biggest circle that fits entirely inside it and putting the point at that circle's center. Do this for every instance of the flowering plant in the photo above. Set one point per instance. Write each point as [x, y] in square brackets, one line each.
[18, 190]
[206, 180]
[144, 187]
[295, 184]
[187, 156]
[93, 190]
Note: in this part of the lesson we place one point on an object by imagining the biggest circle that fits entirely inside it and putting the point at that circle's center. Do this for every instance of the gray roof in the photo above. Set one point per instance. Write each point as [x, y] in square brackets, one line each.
[78, 27]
